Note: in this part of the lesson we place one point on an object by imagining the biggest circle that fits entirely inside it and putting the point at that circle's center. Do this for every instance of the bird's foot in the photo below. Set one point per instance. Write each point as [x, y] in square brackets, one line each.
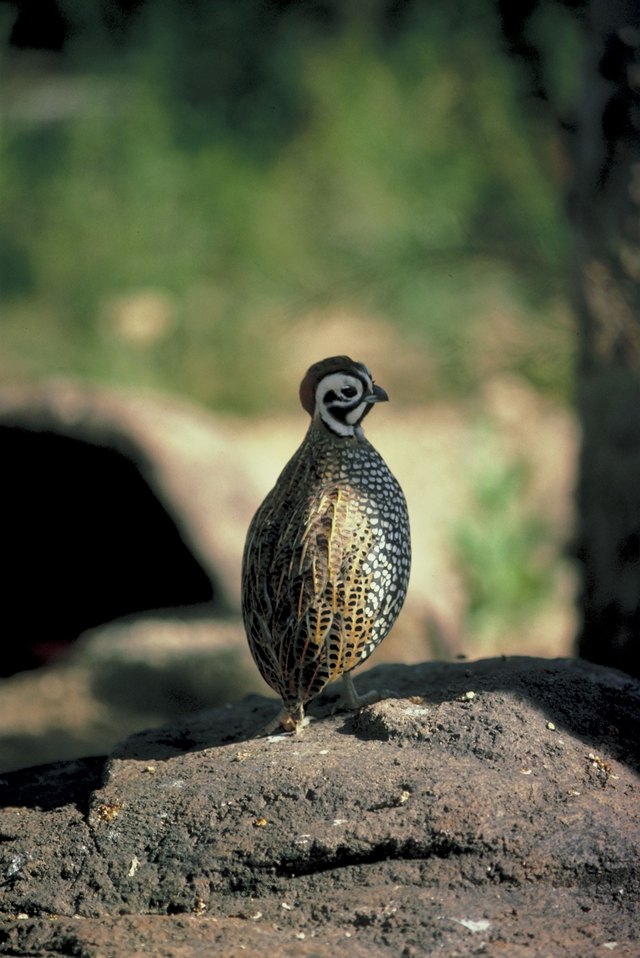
[287, 723]
[350, 700]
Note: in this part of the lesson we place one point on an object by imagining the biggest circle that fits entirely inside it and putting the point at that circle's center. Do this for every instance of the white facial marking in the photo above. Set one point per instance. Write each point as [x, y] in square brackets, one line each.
[340, 391]
[356, 414]
[341, 428]
[346, 388]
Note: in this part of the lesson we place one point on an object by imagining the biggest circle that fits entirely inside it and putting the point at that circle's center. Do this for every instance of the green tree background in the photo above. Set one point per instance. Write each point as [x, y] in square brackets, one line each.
[180, 183]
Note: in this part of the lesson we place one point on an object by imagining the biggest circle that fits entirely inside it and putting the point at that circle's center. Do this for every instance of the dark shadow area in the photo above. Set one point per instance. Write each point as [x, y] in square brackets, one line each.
[52, 786]
[85, 541]
[195, 681]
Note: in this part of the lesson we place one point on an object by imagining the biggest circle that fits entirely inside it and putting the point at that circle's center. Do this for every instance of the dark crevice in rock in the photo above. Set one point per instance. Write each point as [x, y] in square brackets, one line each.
[51, 786]
[388, 851]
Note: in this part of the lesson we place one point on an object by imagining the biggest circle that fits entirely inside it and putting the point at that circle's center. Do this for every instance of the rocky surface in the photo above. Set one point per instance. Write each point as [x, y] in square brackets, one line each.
[489, 808]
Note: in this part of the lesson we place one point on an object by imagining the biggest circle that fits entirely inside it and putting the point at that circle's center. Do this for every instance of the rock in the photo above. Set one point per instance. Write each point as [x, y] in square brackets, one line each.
[114, 502]
[169, 666]
[119, 679]
[491, 808]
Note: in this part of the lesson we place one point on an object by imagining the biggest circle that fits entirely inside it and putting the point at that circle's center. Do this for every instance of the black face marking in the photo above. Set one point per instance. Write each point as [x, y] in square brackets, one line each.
[340, 400]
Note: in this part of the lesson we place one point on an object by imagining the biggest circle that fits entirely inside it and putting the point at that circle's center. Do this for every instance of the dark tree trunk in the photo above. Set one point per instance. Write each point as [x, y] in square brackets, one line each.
[606, 214]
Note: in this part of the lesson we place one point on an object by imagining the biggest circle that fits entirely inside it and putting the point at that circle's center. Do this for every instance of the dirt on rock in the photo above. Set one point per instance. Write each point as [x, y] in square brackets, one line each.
[488, 808]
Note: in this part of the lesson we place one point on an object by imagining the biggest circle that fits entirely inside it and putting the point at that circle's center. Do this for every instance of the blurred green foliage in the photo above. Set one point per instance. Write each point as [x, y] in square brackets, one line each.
[241, 165]
[507, 553]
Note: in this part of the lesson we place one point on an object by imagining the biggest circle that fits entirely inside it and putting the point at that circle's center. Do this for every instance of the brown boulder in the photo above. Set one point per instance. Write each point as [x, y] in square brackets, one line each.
[115, 502]
[492, 808]
[121, 678]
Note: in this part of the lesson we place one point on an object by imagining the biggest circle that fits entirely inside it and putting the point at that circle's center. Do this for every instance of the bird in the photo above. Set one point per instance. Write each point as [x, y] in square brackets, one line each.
[327, 555]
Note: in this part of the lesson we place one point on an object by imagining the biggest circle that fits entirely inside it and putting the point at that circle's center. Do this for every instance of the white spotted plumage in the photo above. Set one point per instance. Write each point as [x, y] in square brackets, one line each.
[327, 556]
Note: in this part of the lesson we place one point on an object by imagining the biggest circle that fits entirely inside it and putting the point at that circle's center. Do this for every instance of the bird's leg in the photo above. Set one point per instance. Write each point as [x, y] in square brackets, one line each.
[293, 721]
[350, 699]
[289, 721]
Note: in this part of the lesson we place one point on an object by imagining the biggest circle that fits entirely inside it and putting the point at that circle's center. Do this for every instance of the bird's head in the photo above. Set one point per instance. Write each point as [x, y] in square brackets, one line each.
[340, 392]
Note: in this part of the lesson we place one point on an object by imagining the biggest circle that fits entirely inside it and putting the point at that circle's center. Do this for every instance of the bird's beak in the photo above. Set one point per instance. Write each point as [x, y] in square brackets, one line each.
[378, 395]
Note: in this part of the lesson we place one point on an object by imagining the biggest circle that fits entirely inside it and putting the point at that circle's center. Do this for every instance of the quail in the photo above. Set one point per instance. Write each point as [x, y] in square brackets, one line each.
[326, 560]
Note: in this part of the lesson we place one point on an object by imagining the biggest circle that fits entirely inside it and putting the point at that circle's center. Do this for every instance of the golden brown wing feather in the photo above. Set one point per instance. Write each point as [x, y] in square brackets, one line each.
[306, 583]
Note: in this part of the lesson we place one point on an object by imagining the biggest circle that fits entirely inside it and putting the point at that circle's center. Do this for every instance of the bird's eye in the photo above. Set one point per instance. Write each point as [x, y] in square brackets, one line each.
[349, 392]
